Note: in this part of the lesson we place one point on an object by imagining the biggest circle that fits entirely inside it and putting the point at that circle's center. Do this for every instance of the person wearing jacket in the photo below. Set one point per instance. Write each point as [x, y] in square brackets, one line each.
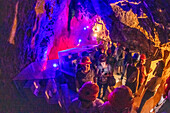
[85, 74]
[103, 72]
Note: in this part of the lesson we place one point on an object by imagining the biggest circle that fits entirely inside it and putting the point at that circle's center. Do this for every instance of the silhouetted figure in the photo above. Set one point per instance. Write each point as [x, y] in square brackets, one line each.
[127, 60]
[119, 101]
[87, 101]
[153, 84]
[132, 74]
[110, 59]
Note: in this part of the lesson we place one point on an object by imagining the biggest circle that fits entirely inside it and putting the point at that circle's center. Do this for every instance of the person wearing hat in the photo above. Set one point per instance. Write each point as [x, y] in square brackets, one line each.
[142, 69]
[83, 54]
[120, 100]
[103, 72]
[152, 85]
[85, 73]
[132, 74]
[87, 101]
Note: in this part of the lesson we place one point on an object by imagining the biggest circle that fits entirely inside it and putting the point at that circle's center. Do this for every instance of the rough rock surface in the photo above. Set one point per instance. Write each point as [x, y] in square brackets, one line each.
[35, 30]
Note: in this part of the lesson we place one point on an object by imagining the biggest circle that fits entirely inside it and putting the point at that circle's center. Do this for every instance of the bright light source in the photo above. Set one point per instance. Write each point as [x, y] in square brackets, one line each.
[46, 93]
[36, 86]
[95, 35]
[44, 67]
[85, 28]
[55, 65]
[80, 40]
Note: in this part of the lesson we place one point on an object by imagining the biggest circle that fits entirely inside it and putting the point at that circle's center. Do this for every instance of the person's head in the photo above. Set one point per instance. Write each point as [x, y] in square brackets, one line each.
[121, 98]
[69, 56]
[101, 42]
[102, 59]
[142, 58]
[109, 52]
[167, 89]
[127, 50]
[100, 47]
[102, 51]
[135, 57]
[85, 62]
[88, 92]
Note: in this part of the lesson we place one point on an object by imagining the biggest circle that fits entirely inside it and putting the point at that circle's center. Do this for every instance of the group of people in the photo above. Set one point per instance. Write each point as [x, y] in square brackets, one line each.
[97, 73]
[100, 68]
[120, 100]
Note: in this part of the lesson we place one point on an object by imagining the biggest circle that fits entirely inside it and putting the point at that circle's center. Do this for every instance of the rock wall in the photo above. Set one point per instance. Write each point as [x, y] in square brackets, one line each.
[35, 30]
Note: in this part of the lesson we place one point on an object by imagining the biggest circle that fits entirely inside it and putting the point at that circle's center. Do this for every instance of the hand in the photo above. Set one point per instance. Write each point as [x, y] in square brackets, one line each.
[77, 89]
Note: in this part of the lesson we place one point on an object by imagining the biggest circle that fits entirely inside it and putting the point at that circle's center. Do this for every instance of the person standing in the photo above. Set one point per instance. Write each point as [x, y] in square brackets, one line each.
[119, 56]
[110, 59]
[132, 74]
[153, 84]
[142, 69]
[85, 74]
[127, 60]
[103, 72]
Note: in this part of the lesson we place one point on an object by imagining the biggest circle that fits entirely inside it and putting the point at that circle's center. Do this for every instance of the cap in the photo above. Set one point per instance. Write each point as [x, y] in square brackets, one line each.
[85, 60]
[143, 57]
[135, 56]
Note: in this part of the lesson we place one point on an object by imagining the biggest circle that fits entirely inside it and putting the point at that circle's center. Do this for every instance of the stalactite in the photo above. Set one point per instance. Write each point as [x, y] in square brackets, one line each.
[13, 31]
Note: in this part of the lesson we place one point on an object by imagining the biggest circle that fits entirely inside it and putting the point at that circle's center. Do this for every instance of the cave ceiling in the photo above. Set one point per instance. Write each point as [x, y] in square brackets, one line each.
[41, 28]
[141, 24]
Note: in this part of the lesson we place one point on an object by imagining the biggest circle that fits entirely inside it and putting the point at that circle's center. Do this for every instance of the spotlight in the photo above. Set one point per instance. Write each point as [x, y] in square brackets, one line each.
[55, 65]
[85, 28]
[79, 40]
